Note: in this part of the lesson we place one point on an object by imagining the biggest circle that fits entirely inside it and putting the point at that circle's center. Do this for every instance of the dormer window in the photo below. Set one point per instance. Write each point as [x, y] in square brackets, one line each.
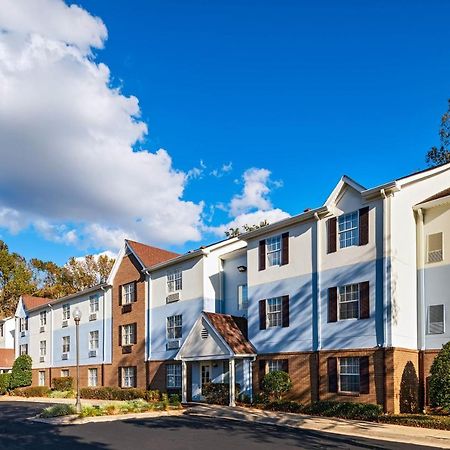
[128, 293]
[273, 245]
[174, 281]
[349, 230]
[66, 312]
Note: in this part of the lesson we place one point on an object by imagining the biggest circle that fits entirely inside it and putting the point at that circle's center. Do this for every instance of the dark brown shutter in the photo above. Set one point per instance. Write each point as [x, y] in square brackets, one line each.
[364, 302]
[135, 333]
[120, 295]
[119, 377]
[135, 292]
[332, 235]
[364, 226]
[261, 371]
[332, 374]
[262, 314]
[262, 255]
[26, 323]
[26, 349]
[364, 375]
[332, 304]
[285, 310]
[135, 376]
[285, 365]
[284, 249]
[120, 335]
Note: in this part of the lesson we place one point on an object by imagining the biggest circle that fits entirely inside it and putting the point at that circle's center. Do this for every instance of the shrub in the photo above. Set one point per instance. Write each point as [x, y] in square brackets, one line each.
[345, 410]
[218, 393]
[153, 396]
[58, 410]
[62, 383]
[21, 372]
[284, 406]
[5, 380]
[440, 379]
[112, 393]
[62, 394]
[418, 420]
[32, 391]
[91, 411]
[174, 400]
[276, 383]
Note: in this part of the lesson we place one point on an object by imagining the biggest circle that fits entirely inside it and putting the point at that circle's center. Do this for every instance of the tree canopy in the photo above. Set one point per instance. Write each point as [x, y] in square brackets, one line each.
[441, 155]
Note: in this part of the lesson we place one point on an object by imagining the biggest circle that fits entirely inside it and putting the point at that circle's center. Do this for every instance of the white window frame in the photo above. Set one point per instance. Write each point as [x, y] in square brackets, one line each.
[41, 378]
[274, 251]
[66, 344]
[346, 226]
[274, 312]
[92, 377]
[342, 299]
[65, 373]
[174, 281]
[128, 293]
[23, 324]
[173, 376]
[94, 304]
[43, 318]
[242, 295]
[431, 261]
[274, 365]
[128, 377]
[349, 373]
[23, 349]
[2, 329]
[429, 322]
[66, 311]
[128, 334]
[43, 348]
[93, 339]
[174, 327]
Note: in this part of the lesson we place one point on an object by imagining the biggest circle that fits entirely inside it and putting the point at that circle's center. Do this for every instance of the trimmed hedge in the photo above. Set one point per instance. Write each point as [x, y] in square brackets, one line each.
[276, 383]
[418, 420]
[32, 391]
[345, 410]
[21, 374]
[284, 406]
[218, 393]
[114, 393]
[5, 380]
[62, 384]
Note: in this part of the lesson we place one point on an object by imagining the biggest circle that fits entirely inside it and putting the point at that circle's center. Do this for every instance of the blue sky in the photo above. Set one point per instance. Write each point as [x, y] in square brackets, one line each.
[306, 90]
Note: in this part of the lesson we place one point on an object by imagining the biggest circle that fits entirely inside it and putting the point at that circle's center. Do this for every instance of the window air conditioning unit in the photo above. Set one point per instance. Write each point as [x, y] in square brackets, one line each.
[92, 317]
[92, 353]
[173, 345]
[65, 323]
[65, 356]
[173, 297]
[22, 334]
[41, 330]
[41, 359]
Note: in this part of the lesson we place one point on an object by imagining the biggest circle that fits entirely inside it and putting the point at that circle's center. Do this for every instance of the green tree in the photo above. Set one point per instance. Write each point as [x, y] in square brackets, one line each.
[440, 379]
[276, 383]
[441, 155]
[21, 374]
[235, 232]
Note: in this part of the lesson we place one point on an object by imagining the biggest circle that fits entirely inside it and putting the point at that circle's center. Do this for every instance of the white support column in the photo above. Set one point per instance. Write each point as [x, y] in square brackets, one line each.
[250, 379]
[232, 379]
[183, 382]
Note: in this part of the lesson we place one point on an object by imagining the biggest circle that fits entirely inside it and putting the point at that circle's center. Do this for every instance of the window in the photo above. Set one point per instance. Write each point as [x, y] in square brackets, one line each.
[242, 296]
[434, 250]
[436, 321]
[274, 312]
[128, 293]
[92, 377]
[173, 372]
[66, 312]
[93, 304]
[93, 340]
[175, 281]
[128, 377]
[2, 331]
[273, 251]
[24, 349]
[348, 229]
[349, 302]
[42, 378]
[66, 344]
[23, 324]
[65, 373]
[274, 365]
[42, 348]
[43, 318]
[174, 327]
[128, 332]
[349, 375]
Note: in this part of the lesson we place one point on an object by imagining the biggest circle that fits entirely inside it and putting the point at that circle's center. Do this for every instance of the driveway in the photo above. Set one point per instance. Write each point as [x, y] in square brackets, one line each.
[166, 433]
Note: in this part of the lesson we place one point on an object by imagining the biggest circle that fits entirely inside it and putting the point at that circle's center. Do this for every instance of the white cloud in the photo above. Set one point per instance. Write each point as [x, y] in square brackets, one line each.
[219, 173]
[67, 137]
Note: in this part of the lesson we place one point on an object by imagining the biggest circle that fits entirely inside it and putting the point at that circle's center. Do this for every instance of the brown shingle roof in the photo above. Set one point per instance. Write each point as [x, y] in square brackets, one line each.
[31, 302]
[6, 358]
[442, 194]
[233, 330]
[150, 255]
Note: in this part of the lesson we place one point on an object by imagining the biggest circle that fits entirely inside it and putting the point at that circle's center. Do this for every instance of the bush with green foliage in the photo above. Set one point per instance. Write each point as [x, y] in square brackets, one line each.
[113, 393]
[418, 420]
[345, 410]
[21, 374]
[5, 381]
[58, 411]
[62, 394]
[174, 400]
[218, 393]
[62, 383]
[440, 379]
[153, 395]
[32, 391]
[284, 406]
[276, 383]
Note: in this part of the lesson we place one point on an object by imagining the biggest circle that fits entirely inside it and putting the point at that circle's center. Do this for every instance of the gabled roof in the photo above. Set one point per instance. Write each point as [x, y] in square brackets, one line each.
[343, 182]
[6, 358]
[442, 194]
[31, 302]
[233, 330]
[148, 255]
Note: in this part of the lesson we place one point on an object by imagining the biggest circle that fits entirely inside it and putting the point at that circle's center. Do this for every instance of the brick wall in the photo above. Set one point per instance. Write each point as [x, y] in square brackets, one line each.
[428, 358]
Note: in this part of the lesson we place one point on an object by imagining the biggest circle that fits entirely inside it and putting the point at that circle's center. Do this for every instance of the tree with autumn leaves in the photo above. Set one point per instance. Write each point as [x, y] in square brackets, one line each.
[45, 278]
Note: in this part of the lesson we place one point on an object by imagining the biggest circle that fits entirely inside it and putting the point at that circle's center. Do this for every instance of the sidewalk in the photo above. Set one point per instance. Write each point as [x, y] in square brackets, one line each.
[368, 430]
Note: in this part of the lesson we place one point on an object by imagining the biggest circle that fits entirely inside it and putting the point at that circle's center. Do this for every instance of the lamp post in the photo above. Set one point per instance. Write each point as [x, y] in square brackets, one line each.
[77, 318]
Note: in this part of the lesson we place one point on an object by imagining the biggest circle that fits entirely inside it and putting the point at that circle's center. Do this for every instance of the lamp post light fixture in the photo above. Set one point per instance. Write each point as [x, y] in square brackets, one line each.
[242, 269]
[77, 318]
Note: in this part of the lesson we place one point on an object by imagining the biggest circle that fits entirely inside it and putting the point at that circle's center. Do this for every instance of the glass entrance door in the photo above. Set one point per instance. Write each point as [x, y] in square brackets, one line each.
[205, 375]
